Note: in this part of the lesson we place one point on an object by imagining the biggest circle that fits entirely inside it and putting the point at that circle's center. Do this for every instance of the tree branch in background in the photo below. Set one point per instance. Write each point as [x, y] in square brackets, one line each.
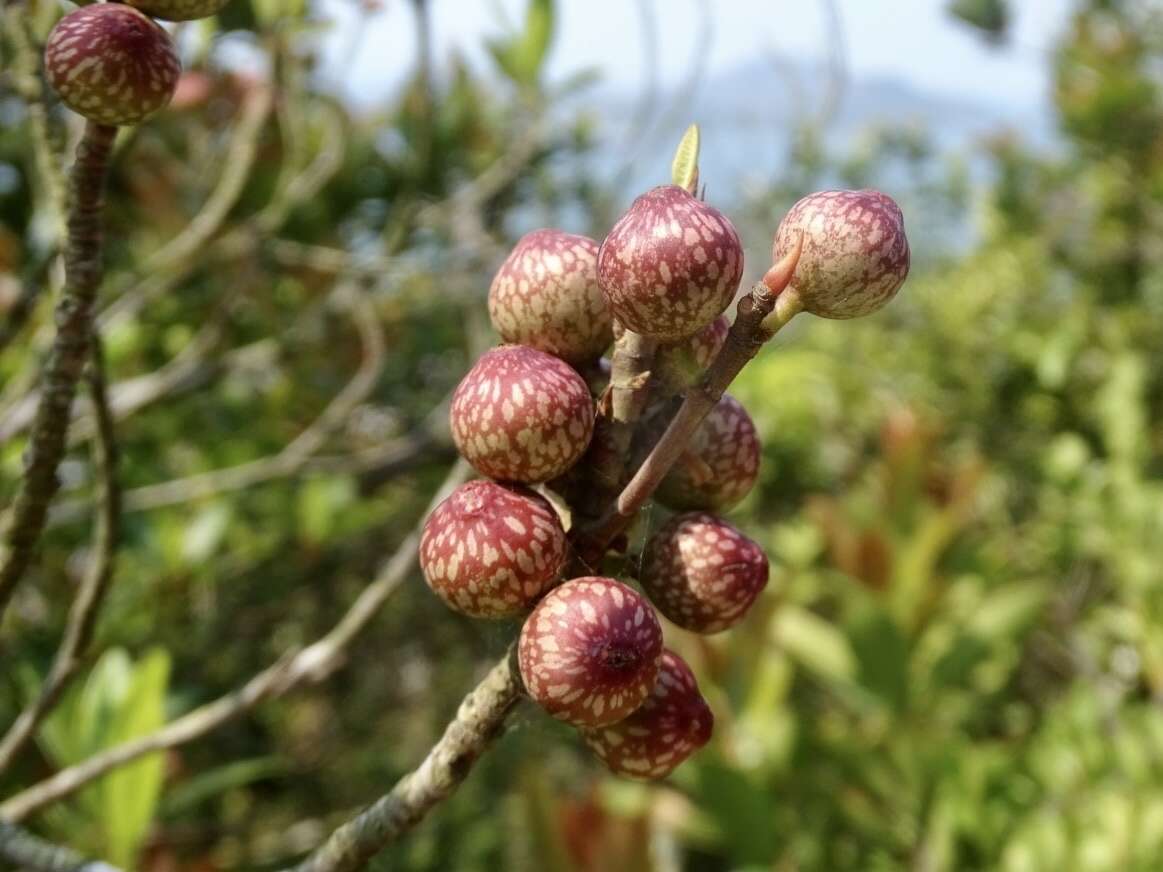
[478, 722]
[295, 455]
[83, 271]
[87, 607]
[26, 851]
[309, 665]
[26, 78]
[237, 164]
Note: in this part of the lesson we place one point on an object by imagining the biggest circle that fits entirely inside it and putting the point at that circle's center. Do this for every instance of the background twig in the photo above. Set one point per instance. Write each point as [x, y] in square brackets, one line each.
[90, 598]
[83, 269]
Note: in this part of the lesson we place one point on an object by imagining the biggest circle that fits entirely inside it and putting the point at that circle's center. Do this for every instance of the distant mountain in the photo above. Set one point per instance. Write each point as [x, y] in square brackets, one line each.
[745, 115]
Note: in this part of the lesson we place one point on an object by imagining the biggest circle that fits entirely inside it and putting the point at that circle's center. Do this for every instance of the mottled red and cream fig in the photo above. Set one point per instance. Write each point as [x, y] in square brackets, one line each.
[702, 573]
[111, 64]
[179, 10]
[673, 723]
[590, 650]
[670, 265]
[490, 550]
[546, 295]
[521, 415]
[855, 253]
[721, 464]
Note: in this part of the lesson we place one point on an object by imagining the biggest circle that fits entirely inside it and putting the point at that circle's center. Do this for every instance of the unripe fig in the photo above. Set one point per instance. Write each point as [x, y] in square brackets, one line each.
[670, 265]
[855, 254]
[721, 465]
[491, 551]
[673, 723]
[546, 295]
[589, 652]
[179, 10]
[521, 415]
[702, 573]
[111, 64]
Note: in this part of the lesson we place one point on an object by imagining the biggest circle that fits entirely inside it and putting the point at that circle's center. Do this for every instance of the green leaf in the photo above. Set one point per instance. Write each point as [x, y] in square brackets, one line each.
[742, 810]
[815, 643]
[131, 793]
[883, 653]
[522, 57]
[684, 169]
[204, 786]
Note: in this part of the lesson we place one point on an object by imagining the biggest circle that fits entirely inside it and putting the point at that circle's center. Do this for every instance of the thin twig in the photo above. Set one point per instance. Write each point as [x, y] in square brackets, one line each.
[95, 585]
[309, 665]
[293, 457]
[478, 722]
[618, 414]
[237, 164]
[45, 150]
[84, 269]
[760, 314]
[29, 852]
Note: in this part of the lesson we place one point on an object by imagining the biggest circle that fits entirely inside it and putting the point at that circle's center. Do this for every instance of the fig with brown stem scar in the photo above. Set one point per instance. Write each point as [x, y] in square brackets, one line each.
[111, 64]
[589, 653]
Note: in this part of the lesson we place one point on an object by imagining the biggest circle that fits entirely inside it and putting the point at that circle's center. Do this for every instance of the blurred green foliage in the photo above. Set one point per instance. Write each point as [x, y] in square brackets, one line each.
[959, 661]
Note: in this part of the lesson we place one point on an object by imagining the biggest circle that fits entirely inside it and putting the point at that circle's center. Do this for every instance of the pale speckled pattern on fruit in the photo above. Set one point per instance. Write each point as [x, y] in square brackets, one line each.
[111, 64]
[670, 265]
[728, 443]
[521, 415]
[491, 551]
[702, 573]
[673, 723]
[546, 295]
[855, 255]
[179, 10]
[589, 652]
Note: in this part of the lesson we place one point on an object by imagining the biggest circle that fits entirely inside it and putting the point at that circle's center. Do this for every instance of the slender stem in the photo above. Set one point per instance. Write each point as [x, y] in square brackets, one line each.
[618, 414]
[27, 851]
[309, 665]
[74, 316]
[759, 317]
[94, 587]
[477, 723]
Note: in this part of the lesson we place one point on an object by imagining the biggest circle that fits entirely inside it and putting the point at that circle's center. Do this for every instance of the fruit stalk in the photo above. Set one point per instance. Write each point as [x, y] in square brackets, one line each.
[759, 316]
[630, 378]
[477, 723]
[74, 319]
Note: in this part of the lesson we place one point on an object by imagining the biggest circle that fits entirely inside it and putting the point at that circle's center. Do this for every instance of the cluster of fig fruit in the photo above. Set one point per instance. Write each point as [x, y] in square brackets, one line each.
[113, 64]
[591, 649]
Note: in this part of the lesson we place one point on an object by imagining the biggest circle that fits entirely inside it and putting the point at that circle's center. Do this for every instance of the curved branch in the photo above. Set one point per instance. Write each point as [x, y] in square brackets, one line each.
[478, 722]
[27, 851]
[74, 317]
[293, 457]
[94, 587]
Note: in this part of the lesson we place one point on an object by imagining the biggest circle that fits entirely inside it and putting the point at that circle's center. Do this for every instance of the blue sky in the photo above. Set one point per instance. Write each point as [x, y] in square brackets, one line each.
[911, 40]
